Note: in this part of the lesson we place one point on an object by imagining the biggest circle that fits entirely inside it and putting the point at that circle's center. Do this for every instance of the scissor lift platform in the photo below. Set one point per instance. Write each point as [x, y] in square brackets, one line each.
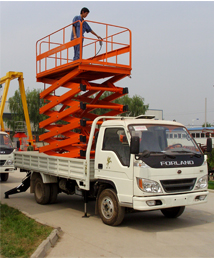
[68, 129]
[88, 71]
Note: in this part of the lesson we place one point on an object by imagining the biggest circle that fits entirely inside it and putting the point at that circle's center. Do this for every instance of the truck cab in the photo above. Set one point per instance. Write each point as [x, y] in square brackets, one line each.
[150, 164]
[6, 156]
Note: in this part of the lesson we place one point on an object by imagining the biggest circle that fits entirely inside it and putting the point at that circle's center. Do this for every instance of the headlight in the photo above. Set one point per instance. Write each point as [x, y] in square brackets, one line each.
[9, 162]
[149, 186]
[202, 183]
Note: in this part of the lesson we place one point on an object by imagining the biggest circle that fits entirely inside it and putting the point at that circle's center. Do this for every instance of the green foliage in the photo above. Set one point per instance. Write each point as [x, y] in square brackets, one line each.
[34, 103]
[136, 105]
[20, 235]
[208, 125]
[211, 185]
[210, 159]
[16, 109]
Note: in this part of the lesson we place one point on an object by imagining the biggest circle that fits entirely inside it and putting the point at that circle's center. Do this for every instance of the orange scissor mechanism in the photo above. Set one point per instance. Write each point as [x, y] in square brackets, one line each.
[77, 87]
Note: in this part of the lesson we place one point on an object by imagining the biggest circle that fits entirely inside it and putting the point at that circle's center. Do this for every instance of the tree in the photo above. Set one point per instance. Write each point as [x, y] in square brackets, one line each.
[210, 160]
[208, 125]
[135, 104]
[16, 109]
[34, 103]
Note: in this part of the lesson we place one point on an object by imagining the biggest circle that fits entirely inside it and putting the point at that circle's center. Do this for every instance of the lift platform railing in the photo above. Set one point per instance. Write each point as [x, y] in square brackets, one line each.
[56, 49]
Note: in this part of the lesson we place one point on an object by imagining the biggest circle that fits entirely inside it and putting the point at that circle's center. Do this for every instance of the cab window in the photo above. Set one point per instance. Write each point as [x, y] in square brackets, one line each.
[115, 140]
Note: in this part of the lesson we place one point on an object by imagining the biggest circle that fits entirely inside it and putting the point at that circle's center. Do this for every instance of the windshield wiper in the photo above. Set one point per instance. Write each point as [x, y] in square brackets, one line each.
[170, 156]
[188, 152]
[147, 153]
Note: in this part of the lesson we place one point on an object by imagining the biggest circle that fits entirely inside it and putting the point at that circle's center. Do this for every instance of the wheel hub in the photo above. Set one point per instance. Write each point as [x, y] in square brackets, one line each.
[107, 208]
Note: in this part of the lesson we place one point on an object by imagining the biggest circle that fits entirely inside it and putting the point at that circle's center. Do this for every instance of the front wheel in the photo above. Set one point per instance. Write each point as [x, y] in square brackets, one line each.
[173, 212]
[4, 177]
[109, 209]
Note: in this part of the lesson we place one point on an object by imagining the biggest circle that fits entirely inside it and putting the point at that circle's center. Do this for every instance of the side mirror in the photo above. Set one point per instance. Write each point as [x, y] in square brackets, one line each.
[209, 145]
[134, 148]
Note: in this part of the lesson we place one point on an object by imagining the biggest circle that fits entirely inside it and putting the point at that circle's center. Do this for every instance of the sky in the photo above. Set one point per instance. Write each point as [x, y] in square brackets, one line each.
[172, 48]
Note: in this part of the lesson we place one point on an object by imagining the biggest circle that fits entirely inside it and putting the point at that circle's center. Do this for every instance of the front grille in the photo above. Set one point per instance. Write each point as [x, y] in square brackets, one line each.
[2, 162]
[178, 185]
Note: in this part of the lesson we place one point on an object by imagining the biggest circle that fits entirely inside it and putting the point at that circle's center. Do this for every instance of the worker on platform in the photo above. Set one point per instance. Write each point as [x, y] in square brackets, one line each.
[76, 30]
[30, 148]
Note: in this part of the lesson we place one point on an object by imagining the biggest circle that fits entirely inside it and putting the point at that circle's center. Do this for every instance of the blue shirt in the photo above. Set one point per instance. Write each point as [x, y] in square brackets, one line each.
[85, 27]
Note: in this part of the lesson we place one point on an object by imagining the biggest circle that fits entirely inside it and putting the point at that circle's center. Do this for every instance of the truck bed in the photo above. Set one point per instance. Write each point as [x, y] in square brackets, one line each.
[70, 168]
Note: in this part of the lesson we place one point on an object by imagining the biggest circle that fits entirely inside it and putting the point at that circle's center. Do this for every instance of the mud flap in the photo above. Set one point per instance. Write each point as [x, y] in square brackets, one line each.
[21, 188]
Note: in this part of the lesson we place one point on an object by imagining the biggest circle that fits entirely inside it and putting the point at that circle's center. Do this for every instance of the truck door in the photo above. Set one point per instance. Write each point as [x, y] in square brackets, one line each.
[112, 161]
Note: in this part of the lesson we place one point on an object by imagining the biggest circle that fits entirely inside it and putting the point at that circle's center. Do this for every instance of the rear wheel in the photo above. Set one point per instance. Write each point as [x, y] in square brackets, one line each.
[109, 209]
[173, 212]
[4, 177]
[42, 191]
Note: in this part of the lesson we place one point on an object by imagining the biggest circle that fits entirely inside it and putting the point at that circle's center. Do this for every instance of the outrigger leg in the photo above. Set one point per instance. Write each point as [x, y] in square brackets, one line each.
[21, 188]
[85, 205]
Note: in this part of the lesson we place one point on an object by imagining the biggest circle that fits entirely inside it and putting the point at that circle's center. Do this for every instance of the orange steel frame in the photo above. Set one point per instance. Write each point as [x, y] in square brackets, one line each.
[68, 129]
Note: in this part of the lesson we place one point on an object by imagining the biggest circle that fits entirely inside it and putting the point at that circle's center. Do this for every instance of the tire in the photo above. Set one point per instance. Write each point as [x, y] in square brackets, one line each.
[42, 191]
[4, 177]
[53, 193]
[109, 209]
[174, 212]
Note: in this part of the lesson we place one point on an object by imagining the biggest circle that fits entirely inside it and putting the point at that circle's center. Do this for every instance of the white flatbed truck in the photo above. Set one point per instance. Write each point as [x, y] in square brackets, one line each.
[140, 164]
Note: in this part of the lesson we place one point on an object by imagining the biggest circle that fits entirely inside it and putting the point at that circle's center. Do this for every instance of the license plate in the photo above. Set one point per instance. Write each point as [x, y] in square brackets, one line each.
[180, 201]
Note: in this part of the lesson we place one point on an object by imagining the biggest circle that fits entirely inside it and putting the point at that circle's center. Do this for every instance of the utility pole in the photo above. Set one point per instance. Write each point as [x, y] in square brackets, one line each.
[205, 112]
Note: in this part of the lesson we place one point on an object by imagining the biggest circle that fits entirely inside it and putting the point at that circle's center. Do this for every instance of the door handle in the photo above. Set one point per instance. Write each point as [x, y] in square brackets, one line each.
[100, 166]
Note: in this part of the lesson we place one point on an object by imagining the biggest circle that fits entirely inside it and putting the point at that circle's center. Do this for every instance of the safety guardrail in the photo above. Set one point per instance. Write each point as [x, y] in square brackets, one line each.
[55, 51]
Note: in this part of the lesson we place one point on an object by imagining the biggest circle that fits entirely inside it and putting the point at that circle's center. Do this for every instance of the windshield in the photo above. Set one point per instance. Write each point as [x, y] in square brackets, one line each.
[164, 139]
[5, 142]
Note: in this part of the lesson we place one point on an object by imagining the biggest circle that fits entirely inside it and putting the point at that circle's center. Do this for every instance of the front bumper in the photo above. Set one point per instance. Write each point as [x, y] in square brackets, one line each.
[6, 169]
[168, 201]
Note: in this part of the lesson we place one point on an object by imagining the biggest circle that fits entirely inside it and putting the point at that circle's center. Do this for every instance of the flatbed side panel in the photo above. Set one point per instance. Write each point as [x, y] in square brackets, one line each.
[70, 168]
[92, 169]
